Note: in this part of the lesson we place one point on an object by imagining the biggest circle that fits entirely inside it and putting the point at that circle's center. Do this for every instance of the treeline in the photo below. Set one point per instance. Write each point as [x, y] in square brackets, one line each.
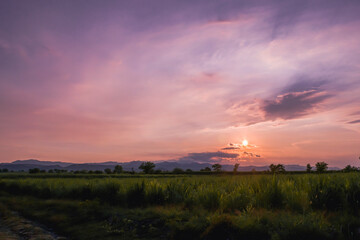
[149, 168]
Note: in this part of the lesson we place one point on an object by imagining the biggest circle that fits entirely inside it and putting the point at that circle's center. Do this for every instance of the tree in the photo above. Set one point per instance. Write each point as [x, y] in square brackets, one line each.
[272, 168]
[279, 168]
[321, 167]
[236, 167]
[147, 167]
[178, 171]
[118, 169]
[350, 168]
[207, 169]
[107, 171]
[308, 168]
[216, 167]
[34, 170]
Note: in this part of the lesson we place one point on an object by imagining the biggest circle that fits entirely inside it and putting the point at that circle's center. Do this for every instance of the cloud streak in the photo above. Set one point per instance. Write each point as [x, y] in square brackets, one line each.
[209, 157]
[355, 121]
[293, 105]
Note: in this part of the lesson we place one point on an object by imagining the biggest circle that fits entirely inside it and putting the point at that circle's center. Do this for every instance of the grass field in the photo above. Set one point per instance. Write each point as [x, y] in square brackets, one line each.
[297, 206]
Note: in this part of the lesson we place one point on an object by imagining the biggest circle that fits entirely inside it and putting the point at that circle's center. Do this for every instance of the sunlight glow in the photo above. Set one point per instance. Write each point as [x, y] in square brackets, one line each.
[245, 143]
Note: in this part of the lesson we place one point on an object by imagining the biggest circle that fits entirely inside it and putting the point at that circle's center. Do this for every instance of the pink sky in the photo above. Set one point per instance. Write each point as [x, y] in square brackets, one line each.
[133, 80]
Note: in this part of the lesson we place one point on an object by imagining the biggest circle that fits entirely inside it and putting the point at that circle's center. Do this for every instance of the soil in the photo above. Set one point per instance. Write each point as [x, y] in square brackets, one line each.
[15, 227]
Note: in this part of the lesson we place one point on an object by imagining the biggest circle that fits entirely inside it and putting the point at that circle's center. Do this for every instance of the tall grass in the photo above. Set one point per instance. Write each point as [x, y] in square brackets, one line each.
[299, 193]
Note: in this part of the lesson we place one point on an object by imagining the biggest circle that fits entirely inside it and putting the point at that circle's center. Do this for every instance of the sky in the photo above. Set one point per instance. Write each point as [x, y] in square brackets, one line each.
[95, 81]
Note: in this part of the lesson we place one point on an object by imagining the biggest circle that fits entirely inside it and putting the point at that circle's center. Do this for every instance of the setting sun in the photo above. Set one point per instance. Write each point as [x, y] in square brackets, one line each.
[130, 119]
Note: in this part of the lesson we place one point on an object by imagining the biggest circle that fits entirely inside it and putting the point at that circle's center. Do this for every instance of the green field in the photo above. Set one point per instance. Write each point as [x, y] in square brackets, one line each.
[297, 206]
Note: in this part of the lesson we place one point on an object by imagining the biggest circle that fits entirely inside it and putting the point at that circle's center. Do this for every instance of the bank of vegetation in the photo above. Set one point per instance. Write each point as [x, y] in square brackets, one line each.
[270, 206]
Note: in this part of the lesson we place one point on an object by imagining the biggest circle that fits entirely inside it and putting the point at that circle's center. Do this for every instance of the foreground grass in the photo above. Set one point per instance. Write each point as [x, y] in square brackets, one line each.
[198, 207]
[92, 220]
[15, 227]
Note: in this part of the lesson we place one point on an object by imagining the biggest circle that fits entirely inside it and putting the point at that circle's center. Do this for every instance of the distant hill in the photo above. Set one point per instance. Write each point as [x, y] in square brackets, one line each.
[25, 165]
[43, 163]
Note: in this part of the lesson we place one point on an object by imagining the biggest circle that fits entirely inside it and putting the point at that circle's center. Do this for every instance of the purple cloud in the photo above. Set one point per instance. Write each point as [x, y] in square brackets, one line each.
[355, 121]
[209, 156]
[293, 104]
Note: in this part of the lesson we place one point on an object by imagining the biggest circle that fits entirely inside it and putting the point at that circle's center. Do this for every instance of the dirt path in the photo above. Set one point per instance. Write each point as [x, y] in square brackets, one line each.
[6, 234]
[15, 227]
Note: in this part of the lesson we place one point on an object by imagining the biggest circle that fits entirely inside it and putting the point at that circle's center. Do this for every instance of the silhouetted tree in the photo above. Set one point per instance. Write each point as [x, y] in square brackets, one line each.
[216, 167]
[308, 168]
[60, 170]
[188, 170]
[107, 171]
[118, 169]
[279, 168]
[350, 168]
[236, 167]
[207, 169]
[177, 171]
[321, 167]
[147, 167]
[34, 170]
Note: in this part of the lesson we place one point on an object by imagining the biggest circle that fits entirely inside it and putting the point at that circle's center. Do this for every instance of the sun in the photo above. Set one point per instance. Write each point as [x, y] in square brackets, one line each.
[245, 143]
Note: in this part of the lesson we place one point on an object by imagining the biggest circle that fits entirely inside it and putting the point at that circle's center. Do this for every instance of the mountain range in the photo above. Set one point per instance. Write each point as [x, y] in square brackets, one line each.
[25, 165]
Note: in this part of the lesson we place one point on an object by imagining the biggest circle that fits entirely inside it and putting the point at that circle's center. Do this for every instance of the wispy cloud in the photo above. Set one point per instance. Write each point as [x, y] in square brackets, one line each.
[301, 98]
[209, 157]
[293, 105]
[355, 121]
[233, 146]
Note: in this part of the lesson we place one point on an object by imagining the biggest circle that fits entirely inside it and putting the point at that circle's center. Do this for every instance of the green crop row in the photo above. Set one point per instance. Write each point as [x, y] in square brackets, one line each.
[298, 193]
